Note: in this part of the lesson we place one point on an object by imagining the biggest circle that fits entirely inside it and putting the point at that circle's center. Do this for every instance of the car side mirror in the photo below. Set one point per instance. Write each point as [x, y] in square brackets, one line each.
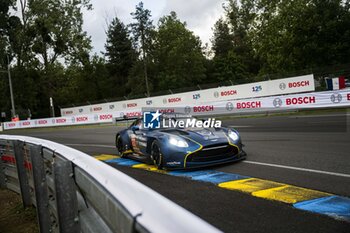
[135, 128]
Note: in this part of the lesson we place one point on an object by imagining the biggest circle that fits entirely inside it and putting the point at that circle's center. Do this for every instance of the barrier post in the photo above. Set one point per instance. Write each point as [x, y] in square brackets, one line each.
[40, 186]
[2, 173]
[67, 203]
[22, 174]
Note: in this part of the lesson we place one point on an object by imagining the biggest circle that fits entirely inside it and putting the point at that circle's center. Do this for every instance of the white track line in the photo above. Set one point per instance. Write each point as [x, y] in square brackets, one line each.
[299, 169]
[90, 145]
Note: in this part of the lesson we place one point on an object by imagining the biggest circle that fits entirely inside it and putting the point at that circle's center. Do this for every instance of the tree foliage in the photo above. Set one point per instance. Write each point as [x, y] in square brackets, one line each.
[121, 56]
[178, 55]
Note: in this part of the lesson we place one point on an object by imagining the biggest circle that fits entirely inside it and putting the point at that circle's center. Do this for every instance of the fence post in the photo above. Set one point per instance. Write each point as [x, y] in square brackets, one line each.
[66, 197]
[40, 186]
[22, 174]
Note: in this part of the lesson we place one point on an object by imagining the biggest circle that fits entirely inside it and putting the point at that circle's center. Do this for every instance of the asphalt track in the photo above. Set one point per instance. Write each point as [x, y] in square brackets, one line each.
[306, 151]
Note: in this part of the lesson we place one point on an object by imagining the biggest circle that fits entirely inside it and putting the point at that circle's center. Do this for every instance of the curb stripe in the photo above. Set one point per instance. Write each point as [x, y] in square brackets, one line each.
[301, 198]
[289, 194]
[123, 162]
[210, 176]
[104, 157]
[250, 185]
[333, 206]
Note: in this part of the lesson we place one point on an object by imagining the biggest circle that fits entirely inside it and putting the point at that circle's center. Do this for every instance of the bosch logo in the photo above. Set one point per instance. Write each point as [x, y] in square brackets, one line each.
[131, 105]
[169, 110]
[106, 117]
[111, 106]
[216, 94]
[298, 84]
[61, 121]
[149, 102]
[81, 119]
[277, 102]
[252, 104]
[301, 100]
[208, 108]
[174, 100]
[282, 86]
[229, 106]
[42, 122]
[187, 109]
[133, 114]
[336, 98]
[81, 110]
[227, 93]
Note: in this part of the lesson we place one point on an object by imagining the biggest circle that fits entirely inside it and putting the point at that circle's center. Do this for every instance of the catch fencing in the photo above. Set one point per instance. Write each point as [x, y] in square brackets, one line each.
[74, 192]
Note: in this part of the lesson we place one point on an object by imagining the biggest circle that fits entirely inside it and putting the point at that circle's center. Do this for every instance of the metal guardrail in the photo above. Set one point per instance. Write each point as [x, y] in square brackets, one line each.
[74, 192]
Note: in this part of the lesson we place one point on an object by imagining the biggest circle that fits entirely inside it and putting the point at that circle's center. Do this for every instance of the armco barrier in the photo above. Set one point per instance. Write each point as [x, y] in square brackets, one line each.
[74, 192]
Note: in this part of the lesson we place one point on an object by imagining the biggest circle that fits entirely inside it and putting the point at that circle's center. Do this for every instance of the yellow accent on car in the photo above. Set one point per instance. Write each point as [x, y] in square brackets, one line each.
[200, 147]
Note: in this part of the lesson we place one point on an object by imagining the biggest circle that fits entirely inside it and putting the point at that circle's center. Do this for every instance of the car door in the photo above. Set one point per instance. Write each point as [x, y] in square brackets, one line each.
[138, 138]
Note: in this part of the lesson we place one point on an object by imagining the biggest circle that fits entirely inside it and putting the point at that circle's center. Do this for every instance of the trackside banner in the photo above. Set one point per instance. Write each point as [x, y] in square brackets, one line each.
[312, 100]
[251, 90]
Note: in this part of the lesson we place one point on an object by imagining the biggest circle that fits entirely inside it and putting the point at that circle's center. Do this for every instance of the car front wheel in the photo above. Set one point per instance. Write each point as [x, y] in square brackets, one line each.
[157, 155]
[119, 144]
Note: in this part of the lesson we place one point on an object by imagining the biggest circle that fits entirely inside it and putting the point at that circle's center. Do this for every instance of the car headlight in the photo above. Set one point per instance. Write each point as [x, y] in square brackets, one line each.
[233, 135]
[179, 142]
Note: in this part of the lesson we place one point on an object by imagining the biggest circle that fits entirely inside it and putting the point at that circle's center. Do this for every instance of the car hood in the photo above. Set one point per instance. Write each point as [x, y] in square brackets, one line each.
[204, 136]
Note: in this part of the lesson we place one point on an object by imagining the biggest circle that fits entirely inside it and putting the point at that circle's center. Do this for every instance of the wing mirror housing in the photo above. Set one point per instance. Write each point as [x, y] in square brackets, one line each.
[135, 128]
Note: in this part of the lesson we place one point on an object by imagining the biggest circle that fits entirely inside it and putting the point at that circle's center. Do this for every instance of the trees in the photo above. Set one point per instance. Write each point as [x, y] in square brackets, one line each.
[121, 56]
[294, 35]
[142, 31]
[178, 55]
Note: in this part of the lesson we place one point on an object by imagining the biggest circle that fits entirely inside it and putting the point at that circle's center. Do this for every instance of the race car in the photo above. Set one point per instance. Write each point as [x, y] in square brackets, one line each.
[179, 147]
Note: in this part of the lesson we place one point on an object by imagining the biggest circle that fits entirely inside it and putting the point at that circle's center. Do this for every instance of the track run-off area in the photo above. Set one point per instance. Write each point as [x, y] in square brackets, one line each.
[295, 164]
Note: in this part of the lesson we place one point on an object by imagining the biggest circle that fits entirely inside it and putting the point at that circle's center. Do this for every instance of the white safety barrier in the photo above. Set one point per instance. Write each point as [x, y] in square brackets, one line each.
[73, 192]
[251, 90]
[313, 100]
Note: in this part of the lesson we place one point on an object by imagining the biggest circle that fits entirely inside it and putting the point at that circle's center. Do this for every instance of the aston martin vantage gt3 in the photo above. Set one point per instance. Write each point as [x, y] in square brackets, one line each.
[173, 146]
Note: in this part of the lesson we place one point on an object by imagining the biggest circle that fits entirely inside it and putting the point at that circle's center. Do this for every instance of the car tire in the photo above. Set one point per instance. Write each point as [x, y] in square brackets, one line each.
[157, 154]
[119, 145]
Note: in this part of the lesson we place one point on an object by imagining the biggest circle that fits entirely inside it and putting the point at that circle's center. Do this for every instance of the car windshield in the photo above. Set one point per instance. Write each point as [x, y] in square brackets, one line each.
[168, 121]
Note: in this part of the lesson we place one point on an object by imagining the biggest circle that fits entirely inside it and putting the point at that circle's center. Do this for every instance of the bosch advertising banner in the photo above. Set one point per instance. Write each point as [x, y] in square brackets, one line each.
[314, 100]
[252, 90]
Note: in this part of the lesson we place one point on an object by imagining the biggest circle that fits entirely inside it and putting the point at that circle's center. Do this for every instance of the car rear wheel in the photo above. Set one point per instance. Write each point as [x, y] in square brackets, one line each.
[157, 155]
[119, 144]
